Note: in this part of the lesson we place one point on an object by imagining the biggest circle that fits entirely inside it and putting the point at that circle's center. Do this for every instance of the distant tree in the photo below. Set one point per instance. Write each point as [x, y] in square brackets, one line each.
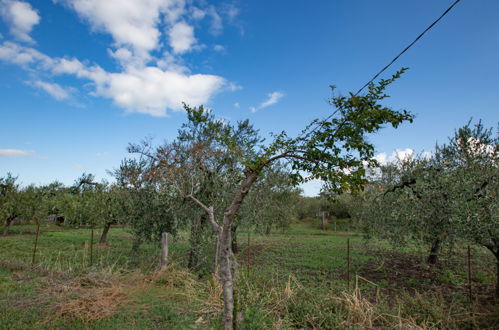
[140, 203]
[10, 201]
[447, 197]
[471, 159]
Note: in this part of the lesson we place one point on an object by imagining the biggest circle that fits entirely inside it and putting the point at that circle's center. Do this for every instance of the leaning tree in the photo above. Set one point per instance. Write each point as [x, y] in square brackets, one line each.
[334, 150]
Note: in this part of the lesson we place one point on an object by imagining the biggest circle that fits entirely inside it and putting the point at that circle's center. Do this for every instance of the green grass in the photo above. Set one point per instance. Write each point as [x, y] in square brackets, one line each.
[296, 278]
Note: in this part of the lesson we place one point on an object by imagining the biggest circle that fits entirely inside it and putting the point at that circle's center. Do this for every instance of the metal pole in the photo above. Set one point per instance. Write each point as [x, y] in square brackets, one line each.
[469, 281]
[248, 253]
[91, 246]
[348, 263]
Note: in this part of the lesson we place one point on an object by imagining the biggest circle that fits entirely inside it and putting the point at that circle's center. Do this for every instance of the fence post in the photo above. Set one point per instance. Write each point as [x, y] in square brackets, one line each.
[348, 263]
[248, 252]
[36, 243]
[469, 282]
[91, 246]
[164, 251]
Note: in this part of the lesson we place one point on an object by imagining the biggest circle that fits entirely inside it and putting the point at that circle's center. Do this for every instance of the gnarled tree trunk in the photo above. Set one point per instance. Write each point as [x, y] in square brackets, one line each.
[196, 241]
[494, 248]
[434, 251]
[235, 247]
[226, 257]
[105, 231]
[7, 224]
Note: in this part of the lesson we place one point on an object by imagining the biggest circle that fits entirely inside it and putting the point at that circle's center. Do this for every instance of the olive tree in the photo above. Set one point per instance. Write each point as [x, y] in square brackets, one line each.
[10, 201]
[334, 149]
[471, 159]
[141, 203]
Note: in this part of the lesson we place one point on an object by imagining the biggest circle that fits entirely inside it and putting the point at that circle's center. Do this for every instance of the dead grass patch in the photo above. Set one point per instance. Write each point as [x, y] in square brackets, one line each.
[97, 304]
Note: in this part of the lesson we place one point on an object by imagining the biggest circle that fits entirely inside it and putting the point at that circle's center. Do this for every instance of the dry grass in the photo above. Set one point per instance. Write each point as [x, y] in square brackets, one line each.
[97, 304]
[213, 303]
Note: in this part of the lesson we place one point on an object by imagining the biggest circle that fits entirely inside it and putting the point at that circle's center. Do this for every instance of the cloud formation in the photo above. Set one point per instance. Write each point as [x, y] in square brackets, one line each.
[145, 82]
[181, 37]
[15, 153]
[53, 89]
[20, 17]
[272, 98]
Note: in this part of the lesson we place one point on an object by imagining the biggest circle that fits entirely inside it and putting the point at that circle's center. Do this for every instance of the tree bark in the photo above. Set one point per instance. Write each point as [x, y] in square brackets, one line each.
[235, 247]
[434, 251]
[164, 251]
[7, 224]
[268, 228]
[136, 244]
[195, 241]
[105, 231]
[227, 263]
[497, 275]
[226, 274]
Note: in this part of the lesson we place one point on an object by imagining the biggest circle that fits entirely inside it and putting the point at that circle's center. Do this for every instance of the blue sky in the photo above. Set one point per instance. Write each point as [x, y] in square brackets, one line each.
[80, 79]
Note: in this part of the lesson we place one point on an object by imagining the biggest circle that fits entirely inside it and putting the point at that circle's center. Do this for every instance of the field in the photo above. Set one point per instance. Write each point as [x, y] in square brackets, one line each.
[296, 278]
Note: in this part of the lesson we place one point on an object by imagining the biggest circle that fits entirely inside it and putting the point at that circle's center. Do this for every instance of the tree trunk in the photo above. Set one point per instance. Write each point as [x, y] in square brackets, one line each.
[497, 275]
[227, 262]
[164, 251]
[235, 248]
[435, 249]
[6, 226]
[226, 274]
[136, 244]
[103, 237]
[268, 228]
[196, 242]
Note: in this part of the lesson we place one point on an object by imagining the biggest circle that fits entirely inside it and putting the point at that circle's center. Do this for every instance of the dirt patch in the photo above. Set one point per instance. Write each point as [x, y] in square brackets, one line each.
[254, 251]
[395, 272]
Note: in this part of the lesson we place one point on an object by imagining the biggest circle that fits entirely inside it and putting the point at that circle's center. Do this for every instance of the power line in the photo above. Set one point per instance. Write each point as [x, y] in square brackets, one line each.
[400, 54]
[407, 48]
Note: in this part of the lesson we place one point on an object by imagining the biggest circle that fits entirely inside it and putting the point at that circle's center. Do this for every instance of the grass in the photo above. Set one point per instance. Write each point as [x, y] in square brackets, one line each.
[294, 279]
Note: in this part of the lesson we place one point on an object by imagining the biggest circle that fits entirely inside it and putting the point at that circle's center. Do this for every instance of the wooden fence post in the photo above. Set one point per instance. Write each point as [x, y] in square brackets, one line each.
[36, 243]
[91, 246]
[164, 251]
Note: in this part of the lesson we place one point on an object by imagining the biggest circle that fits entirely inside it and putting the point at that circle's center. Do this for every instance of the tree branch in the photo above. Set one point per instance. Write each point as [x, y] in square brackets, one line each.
[209, 210]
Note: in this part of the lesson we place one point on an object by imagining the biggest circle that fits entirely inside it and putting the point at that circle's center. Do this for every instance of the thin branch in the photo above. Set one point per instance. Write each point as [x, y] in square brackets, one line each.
[209, 210]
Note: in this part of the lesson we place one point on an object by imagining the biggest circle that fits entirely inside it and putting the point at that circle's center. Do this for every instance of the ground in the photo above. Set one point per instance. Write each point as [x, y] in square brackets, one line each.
[293, 278]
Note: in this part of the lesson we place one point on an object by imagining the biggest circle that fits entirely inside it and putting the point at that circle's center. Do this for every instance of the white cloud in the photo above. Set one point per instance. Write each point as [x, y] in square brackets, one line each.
[152, 90]
[131, 23]
[144, 82]
[236, 105]
[55, 90]
[21, 17]
[15, 153]
[79, 167]
[218, 48]
[216, 26]
[149, 90]
[181, 37]
[272, 98]
[398, 154]
[20, 55]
